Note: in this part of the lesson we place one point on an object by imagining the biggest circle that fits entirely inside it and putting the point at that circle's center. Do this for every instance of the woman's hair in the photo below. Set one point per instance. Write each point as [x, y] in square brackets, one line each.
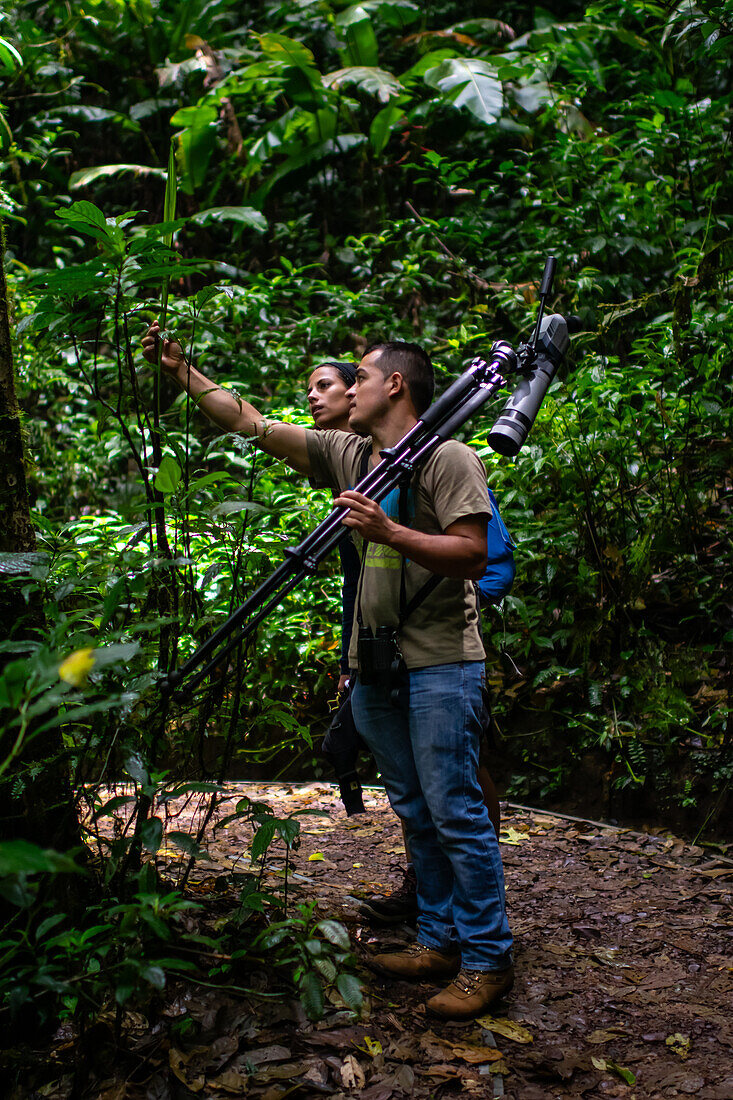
[346, 370]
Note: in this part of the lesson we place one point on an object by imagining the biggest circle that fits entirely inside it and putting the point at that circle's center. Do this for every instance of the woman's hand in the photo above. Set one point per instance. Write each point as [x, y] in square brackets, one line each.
[173, 360]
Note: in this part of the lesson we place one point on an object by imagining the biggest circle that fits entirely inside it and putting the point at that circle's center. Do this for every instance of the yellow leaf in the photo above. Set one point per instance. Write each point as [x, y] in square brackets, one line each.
[599, 1063]
[511, 836]
[373, 1046]
[509, 1029]
[75, 669]
[680, 1044]
[315, 857]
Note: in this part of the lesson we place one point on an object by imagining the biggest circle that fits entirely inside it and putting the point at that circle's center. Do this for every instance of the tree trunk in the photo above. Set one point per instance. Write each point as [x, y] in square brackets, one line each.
[36, 803]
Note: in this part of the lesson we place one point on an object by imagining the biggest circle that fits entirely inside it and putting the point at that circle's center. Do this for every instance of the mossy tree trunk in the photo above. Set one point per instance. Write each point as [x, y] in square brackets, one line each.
[35, 795]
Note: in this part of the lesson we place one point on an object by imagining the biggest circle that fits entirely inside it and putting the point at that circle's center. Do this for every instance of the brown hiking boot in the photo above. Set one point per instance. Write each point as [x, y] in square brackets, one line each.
[394, 908]
[416, 963]
[471, 993]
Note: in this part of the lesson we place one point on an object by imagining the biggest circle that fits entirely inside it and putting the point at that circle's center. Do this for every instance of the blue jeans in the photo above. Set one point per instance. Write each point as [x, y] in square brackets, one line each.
[427, 752]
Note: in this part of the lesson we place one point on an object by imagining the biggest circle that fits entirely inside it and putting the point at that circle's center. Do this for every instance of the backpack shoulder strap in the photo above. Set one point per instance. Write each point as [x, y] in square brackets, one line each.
[364, 463]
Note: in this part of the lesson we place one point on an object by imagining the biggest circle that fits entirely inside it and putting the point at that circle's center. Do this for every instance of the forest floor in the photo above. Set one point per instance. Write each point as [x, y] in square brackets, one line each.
[624, 986]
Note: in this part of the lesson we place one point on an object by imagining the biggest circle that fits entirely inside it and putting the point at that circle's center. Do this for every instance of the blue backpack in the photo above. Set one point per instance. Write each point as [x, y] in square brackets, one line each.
[500, 570]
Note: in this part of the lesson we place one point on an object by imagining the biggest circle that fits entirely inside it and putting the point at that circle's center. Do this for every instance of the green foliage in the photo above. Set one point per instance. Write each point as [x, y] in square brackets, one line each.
[317, 951]
[297, 134]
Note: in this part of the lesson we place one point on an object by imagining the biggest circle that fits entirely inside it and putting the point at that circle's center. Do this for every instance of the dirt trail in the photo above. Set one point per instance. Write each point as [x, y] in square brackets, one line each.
[624, 964]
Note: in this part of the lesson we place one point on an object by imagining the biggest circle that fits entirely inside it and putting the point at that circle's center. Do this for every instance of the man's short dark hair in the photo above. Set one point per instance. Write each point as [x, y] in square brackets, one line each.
[413, 363]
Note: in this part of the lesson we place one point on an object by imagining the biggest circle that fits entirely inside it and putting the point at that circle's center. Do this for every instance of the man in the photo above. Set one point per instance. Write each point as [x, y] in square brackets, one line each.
[426, 746]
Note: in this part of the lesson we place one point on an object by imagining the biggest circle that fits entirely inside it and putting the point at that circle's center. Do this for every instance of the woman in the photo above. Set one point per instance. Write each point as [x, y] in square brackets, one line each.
[329, 407]
[328, 386]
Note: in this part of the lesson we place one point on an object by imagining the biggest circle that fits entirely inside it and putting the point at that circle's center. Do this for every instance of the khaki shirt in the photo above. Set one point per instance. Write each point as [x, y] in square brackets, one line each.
[450, 486]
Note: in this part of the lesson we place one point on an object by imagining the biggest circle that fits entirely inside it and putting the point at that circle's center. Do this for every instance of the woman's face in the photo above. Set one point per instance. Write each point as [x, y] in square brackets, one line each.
[326, 395]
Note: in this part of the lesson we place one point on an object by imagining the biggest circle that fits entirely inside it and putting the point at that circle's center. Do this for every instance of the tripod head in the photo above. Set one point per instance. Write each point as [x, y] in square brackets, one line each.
[537, 365]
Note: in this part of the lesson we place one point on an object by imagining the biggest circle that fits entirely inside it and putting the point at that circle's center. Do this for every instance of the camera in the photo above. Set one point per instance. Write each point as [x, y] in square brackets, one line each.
[380, 657]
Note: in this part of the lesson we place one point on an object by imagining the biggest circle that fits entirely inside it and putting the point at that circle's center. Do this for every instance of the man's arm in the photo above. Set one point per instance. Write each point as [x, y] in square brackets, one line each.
[228, 411]
[460, 551]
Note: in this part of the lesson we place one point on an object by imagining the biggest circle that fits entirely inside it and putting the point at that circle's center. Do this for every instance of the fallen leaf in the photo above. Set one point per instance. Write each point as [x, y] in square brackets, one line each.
[680, 1044]
[352, 1075]
[278, 1073]
[114, 1092]
[272, 1053]
[315, 857]
[509, 1029]
[605, 1036]
[473, 1053]
[443, 1072]
[231, 1080]
[613, 1067]
[373, 1046]
[511, 836]
[625, 1074]
[177, 1062]
[404, 1078]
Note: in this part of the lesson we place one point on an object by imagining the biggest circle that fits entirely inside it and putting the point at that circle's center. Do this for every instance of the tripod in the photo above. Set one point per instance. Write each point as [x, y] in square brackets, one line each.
[440, 422]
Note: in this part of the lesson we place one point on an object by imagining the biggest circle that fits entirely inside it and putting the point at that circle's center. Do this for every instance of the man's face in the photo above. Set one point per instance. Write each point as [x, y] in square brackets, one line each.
[369, 395]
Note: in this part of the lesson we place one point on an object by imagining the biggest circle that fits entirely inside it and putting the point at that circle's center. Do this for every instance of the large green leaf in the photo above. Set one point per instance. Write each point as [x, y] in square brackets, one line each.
[195, 144]
[22, 857]
[291, 68]
[367, 78]
[10, 59]
[310, 154]
[428, 61]
[169, 475]
[384, 124]
[469, 82]
[85, 216]
[349, 987]
[335, 933]
[194, 151]
[112, 654]
[102, 171]
[197, 117]
[187, 844]
[171, 193]
[287, 50]
[151, 834]
[359, 38]
[396, 13]
[311, 995]
[247, 215]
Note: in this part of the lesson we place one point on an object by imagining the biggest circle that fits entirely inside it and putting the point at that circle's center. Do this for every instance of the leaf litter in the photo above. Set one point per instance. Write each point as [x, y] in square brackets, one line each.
[623, 990]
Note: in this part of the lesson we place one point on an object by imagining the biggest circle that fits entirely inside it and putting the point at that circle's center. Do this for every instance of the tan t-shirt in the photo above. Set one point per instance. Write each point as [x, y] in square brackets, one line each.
[450, 486]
